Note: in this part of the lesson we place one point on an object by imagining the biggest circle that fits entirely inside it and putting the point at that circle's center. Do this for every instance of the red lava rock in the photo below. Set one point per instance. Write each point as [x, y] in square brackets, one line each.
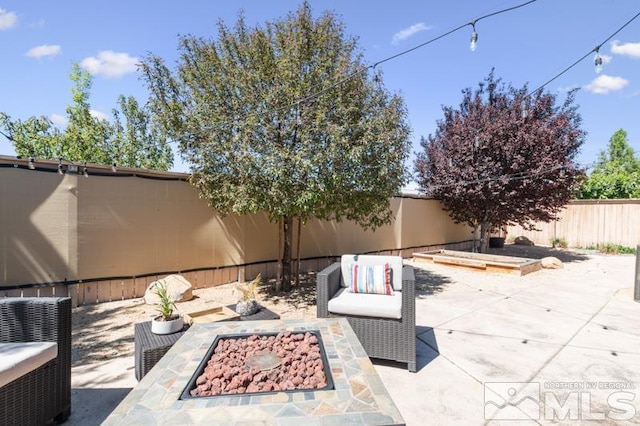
[227, 373]
[268, 387]
[288, 385]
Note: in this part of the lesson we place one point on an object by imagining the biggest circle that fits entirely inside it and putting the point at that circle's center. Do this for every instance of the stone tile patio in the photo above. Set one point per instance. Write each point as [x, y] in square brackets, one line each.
[358, 397]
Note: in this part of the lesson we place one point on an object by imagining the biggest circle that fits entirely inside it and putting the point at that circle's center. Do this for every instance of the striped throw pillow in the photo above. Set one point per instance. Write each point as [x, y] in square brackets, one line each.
[371, 279]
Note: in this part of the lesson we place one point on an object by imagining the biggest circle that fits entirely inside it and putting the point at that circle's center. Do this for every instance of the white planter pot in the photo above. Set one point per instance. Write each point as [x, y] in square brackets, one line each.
[166, 327]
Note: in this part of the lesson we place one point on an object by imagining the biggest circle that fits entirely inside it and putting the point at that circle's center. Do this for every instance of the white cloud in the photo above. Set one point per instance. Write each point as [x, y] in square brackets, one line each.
[58, 120]
[7, 19]
[628, 49]
[110, 64]
[99, 115]
[605, 84]
[44, 50]
[408, 32]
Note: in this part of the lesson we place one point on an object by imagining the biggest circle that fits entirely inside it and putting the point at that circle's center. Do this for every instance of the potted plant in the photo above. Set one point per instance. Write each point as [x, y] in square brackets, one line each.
[167, 322]
[498, 241]
[247, 304]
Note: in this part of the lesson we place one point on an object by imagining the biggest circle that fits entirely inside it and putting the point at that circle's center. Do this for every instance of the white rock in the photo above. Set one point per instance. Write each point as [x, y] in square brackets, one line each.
[179, 290]
[551, 262]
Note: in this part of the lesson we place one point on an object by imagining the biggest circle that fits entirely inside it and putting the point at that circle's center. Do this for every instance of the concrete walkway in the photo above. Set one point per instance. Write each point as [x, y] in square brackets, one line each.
[518, 350]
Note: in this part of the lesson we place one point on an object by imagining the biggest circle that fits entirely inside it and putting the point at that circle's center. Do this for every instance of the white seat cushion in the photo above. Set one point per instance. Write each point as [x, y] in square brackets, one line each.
[364, 259]
[20, 358]
[369, 305]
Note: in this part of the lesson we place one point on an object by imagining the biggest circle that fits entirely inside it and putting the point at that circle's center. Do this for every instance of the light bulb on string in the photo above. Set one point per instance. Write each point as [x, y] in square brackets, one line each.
[31, 164]
[60, 171]
[474, 37]
[598, 60]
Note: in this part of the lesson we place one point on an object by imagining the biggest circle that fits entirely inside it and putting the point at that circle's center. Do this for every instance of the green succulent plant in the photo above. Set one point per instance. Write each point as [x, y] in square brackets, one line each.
[165, 309]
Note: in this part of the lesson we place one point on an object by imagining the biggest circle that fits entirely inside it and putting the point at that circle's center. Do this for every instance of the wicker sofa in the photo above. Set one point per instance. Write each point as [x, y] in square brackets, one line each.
[41, 393]
[385, 337]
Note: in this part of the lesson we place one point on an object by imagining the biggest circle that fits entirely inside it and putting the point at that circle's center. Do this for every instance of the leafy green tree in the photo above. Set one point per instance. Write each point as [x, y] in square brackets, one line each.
[86, 138]
[136, 141]
[131, 141]
[493, 166]
[617, 172]
[284, 119]
[35, 136]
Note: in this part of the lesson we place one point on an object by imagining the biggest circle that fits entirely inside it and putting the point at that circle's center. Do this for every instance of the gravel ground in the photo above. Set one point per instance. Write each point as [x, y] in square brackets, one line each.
[105, 330]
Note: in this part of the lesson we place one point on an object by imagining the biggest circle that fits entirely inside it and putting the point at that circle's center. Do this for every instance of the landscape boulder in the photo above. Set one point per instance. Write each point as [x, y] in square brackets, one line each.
[523, 241]
[178, 289]
[551, 262]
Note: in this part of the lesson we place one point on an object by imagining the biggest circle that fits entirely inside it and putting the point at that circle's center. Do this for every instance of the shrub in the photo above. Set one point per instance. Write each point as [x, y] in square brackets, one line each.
[558, 242]
[610, 248]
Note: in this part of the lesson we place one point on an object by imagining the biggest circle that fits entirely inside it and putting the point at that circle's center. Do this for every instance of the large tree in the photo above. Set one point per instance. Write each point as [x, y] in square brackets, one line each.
[285, 119]
[502, 157]
[617, 172]
[131, 140]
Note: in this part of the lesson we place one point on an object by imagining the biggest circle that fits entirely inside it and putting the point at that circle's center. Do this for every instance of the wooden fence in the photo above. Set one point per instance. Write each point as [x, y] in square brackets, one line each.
[586, 223]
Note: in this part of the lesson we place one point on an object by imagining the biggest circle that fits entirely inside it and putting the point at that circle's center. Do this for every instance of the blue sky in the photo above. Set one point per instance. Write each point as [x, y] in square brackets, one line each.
[40, 39]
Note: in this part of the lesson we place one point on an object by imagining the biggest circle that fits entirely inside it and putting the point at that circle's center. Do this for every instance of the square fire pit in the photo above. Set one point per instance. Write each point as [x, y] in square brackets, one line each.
[358, 395]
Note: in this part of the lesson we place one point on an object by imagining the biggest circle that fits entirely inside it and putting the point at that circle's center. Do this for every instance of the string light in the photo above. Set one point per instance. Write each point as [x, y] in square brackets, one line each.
[474, 36]
[404, 52]
[85, 171]
[114, 169]
[31, 164]
[598, 60]
[586, 55]
[60, 171]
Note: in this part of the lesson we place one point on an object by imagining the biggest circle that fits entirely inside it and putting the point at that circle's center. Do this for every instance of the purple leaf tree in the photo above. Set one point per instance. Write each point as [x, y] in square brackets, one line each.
[503, 157]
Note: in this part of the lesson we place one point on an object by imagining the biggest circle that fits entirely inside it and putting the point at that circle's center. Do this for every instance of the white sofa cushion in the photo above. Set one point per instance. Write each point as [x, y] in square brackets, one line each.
[395, 261]
[20, 358]
[369, 305]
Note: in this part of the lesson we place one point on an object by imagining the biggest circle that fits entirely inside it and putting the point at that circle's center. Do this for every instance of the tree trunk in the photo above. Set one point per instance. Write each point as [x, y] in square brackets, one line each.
[484, 237]
[279, 251]
[284, 283]
[298, 253]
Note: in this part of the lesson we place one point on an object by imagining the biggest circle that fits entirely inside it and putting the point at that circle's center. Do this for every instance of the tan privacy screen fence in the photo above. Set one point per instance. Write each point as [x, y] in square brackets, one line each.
[64, 228]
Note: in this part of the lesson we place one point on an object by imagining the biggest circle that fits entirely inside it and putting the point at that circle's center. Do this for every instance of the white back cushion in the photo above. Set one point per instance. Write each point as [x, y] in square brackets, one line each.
[367, 259]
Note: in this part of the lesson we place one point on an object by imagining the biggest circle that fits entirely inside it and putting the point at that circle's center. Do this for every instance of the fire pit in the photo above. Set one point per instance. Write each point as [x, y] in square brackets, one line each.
[261, 363]
[358, 395]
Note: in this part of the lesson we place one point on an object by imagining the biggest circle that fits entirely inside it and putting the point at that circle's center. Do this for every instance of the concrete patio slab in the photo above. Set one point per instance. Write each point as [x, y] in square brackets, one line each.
[439, 390]
[488, 358]
[564, 301]
[515, 319]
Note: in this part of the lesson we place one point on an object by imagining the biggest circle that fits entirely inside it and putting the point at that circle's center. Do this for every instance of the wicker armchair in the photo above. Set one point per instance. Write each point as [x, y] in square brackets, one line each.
[44, 394]
[385, 338]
